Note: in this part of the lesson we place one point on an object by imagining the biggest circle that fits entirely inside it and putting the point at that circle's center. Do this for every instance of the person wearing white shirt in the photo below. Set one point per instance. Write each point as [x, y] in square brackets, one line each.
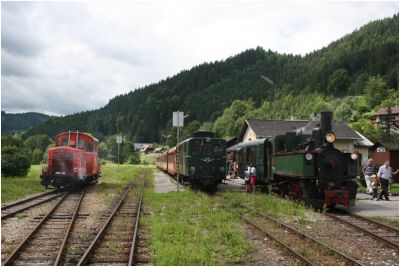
[385, 174]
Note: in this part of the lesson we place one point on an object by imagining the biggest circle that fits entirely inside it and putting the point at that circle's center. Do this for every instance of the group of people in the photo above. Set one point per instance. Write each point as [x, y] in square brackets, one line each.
[382, 179]
[249, 175]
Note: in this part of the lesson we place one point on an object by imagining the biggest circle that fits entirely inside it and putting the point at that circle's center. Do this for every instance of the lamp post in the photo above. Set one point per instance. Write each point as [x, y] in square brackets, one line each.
[273, 84]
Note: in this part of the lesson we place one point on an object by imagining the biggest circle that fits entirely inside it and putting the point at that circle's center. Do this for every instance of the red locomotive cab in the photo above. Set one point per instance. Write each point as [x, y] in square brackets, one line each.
[74, 161]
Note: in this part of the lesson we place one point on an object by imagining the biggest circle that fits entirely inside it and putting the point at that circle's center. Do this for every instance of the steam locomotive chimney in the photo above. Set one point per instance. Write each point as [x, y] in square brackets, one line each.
[326, 122]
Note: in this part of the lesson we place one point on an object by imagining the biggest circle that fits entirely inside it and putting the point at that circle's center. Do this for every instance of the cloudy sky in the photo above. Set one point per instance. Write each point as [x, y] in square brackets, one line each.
[65, 57]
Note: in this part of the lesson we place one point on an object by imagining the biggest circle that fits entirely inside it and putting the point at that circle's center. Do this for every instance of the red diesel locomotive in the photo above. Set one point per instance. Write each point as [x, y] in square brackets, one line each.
[73, 162]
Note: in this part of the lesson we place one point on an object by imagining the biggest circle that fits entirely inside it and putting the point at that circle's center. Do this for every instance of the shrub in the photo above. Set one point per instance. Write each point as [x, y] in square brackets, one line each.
[15, 161]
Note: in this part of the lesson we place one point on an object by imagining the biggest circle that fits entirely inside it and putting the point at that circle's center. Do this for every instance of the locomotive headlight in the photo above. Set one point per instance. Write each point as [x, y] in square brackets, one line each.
[222, 169]
[75, 170]
[309, 156]
[354, 156]
[192, 169]
[330, 137]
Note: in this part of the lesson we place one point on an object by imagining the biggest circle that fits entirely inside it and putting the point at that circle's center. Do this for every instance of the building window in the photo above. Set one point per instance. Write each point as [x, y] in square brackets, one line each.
[380, 149]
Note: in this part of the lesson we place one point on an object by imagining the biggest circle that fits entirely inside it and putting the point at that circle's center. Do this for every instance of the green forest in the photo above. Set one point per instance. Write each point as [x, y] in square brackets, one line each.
[353, 76]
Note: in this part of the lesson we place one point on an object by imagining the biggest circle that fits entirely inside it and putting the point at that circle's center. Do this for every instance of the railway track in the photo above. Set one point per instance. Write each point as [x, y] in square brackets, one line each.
[10, 210]
[377, 231]
[42, 244]
[115, 244]
[307, 249]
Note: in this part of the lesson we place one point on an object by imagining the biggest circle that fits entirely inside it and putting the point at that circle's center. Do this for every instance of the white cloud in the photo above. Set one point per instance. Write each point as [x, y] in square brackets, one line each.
[67, 57]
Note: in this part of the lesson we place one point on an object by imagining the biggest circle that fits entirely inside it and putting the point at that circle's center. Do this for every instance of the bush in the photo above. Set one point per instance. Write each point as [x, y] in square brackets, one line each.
[15, 161]
[134, 158]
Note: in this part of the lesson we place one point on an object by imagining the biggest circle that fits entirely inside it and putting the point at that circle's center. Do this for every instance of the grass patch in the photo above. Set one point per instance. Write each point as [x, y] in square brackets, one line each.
[191, 228]
[385, 220]
[395, 188]
[13, 188]
[114, 177]
[271, 205]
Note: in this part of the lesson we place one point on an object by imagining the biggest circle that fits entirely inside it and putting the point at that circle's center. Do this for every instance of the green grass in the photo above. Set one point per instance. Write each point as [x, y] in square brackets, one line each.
[385, 220]
[13, 188]
[395, 188]
[271, 205]
[191, 228]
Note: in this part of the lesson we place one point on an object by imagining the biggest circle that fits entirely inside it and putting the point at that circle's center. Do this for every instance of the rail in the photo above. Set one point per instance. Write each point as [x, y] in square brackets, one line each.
[352, 222]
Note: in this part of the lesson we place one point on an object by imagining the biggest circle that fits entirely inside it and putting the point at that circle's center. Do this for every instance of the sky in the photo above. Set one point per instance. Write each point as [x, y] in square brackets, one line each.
[61, 58]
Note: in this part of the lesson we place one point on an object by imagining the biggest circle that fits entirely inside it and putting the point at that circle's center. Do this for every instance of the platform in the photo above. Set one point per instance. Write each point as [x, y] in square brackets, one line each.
[163, 183]
[367, 207]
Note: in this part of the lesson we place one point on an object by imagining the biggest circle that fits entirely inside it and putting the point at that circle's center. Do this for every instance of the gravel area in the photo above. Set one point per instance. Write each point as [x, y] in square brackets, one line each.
[266, 251]
[14, 229]
[349, 241]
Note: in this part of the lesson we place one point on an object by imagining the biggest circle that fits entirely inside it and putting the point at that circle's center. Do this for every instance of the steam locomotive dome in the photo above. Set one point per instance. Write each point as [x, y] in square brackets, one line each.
[331, 163]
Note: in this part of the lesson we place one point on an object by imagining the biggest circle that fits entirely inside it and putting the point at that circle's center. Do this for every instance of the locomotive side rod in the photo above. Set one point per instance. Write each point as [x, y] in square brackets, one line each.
[14, 254]
[8, 215]
[374, 236]
[88, 252]
[131, 261]
[67, 233]
[349, 259]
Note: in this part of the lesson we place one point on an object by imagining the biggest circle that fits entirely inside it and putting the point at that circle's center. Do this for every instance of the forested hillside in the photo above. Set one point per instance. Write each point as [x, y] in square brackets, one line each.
[342, 72]
[20, 122]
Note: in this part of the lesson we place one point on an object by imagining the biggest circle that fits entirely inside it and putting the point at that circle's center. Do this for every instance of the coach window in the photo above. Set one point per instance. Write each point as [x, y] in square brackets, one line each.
[90, 147]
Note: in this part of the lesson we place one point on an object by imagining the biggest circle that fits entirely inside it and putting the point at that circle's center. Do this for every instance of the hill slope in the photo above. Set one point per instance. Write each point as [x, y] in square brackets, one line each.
[20, 122]
[206, 90]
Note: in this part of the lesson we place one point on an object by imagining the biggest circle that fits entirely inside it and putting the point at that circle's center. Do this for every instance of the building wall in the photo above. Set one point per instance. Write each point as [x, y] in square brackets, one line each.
[249, 135]
[348, 146]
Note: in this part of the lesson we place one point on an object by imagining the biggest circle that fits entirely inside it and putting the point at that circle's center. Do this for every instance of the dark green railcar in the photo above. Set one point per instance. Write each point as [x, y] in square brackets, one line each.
[201, 159]
[303, 166]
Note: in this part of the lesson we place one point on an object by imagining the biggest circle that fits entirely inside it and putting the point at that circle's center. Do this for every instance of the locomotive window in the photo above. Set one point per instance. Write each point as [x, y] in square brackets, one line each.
[64, 142]
[218, 149]
[196, 148]
[90, 147]
[81, 143]
[207, 149]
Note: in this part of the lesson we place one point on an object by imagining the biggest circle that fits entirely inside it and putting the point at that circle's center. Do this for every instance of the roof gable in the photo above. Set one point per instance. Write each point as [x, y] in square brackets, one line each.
[265, 128]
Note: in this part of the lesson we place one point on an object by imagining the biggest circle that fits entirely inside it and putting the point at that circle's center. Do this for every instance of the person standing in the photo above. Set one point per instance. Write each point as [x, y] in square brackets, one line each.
[253, 174]
[235, 169]
[375, 186]
[385, 174]
[368, 171]
[247, 178]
